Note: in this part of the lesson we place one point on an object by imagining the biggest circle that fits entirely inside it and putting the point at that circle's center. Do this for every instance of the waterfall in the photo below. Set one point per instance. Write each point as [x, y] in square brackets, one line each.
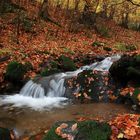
[48, 92]
[54, 85]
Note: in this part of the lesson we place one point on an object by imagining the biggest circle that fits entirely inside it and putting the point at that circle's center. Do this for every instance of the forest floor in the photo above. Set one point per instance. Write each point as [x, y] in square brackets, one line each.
[46, 42]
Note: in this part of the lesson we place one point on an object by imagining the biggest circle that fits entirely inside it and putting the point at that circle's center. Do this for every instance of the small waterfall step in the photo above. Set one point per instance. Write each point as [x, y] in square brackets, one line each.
[53, 86]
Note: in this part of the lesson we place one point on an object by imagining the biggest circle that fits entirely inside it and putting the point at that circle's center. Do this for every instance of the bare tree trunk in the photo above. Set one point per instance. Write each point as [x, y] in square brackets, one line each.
[112, 12]
[43, 12]
[125, 21]
[76, 5]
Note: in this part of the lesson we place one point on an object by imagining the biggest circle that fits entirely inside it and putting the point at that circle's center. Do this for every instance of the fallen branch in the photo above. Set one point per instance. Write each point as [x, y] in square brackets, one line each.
[5, 58]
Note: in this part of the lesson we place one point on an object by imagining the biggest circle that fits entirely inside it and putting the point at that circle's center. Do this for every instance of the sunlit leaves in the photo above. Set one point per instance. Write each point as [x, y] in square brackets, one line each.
[126, 126]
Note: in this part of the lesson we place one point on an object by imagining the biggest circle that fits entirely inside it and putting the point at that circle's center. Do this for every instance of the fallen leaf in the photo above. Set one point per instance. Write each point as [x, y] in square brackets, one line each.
[74, 127]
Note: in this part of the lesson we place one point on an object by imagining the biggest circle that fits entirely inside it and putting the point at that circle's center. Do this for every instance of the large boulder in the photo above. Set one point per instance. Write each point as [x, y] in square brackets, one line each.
[92, 85]
[126, 69]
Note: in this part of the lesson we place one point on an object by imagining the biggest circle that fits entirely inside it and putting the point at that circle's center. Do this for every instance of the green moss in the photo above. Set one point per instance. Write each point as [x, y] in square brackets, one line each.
[120, 46]
[67, 64]
[88, 130]
[136, 92]
[125, 47]
[15, 71]
[137, 57]
[28, 66]
[51, 135]
[91, 130]
[47, 72]
[97, 44]
[107, 49]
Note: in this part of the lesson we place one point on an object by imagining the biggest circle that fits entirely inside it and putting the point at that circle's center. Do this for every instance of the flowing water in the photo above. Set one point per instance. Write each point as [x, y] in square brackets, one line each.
[40, 103]
[48, 92]
[27, 122]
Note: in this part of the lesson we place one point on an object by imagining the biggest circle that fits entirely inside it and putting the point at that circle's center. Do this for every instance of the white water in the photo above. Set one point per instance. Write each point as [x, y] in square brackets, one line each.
[35, 96]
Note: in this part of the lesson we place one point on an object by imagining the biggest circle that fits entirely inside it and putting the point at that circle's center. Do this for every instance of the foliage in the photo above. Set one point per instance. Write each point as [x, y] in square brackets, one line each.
[15, 71]
[107, 49]
[52, 68]
[97, 44]
[125, 47]
[47, 72]
[28, 66]
[67, 64]
[103, 30]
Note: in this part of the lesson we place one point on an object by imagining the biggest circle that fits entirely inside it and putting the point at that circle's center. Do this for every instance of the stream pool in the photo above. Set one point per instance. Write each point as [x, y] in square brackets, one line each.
[26, 121]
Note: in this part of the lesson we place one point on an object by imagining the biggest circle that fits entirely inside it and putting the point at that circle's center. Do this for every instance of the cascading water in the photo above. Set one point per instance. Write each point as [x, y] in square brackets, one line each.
[48, 92]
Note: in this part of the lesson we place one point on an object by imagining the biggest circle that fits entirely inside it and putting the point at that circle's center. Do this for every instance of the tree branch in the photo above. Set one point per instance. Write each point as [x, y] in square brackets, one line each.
[136, 4]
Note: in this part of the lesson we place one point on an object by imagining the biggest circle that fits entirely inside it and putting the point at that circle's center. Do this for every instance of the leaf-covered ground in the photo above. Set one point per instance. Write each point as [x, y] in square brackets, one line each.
[47, 42]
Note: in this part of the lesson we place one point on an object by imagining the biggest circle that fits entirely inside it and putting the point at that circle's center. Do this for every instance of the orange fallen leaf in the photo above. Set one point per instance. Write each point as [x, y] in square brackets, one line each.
[74, 127]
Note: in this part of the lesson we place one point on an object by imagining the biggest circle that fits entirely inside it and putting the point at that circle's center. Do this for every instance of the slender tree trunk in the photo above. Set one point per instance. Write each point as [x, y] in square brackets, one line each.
[43, 12]
[76, 5]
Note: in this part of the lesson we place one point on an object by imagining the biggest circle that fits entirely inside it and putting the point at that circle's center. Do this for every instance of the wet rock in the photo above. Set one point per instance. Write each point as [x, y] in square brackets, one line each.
[93, 85]
[11, 109]
[5, 134]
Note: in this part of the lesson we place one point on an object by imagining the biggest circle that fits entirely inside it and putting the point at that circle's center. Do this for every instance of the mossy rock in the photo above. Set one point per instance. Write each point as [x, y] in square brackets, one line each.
[126, 69]
[51, 68]
[133, 73]
[28, 66]
[67, 64]
[5, 134]
[92, 130]
[91, 87]
[134, 97]
[88, 130]
[47, 72]
[15, 71]
[107, 49]
[137, 59]
[131, 98]
[97, 44]
[51, 135]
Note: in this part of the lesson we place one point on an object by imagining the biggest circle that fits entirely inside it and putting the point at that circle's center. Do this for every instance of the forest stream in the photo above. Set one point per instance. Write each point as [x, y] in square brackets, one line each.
[25, 121]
